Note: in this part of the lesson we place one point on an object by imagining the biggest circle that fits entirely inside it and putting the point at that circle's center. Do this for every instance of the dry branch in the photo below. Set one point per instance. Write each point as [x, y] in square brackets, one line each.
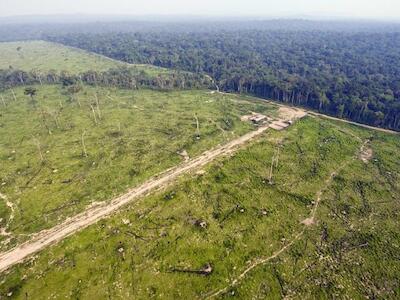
[39, 149]
[97, 105]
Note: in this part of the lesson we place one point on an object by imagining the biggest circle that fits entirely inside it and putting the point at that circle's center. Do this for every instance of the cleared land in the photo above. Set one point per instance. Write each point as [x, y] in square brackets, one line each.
[93, 214]
[230, 216]
[60, 153]
[45, 56]
[305, 212]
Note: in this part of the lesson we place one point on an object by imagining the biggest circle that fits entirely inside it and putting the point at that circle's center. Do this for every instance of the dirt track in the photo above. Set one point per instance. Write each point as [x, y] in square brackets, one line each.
[97, 212]
[353, 123]
[307, 222]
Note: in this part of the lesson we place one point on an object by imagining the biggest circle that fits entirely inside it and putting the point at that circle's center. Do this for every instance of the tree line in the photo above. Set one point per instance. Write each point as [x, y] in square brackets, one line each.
[123, 77]
[353, 75]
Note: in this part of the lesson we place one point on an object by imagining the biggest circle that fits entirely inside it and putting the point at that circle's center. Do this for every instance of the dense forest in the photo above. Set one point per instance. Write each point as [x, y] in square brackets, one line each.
[349, 75]
[349, 70]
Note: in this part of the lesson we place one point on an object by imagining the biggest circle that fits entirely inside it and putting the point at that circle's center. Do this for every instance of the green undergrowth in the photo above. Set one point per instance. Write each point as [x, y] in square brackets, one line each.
[234, 214]
[60, 152]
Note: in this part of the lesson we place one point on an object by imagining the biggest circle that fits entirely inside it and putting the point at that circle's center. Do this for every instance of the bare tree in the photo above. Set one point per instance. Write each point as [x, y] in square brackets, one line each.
[197, 127]
[40, 79]
[44, 120]
[83, 144]
[97, 105]
[36, 141]
[55, 115]
[38, 76]
[21, 78]
[2, 100]
[73, 90]
[277, 157]
[274, 162]
[94, 114]
[12, 92]
[271, 169]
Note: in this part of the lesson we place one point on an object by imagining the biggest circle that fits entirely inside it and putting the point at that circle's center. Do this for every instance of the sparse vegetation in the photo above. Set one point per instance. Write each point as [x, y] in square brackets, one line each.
[59, 155]
[308, 210]
[43, 57]
[134, 254]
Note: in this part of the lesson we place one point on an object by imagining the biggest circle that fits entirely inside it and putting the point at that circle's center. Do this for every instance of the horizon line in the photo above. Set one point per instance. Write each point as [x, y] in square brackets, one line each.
[255, 17]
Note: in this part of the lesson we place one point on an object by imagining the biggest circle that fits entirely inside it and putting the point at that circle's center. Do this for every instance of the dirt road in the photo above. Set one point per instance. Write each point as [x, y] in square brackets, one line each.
[95, 213]
[353, 123]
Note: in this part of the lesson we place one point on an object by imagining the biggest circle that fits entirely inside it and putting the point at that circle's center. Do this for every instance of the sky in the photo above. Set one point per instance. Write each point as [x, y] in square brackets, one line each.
[376, 9]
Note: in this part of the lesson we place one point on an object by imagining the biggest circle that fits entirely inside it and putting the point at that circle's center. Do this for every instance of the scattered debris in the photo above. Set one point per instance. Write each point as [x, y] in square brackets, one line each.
[205, 270]
[255, 118]
[10, 205]
[366, 153]
[184, 155]
[199, 223]
[308, 222]
[170, 195]
[200, 172]
[136, 236]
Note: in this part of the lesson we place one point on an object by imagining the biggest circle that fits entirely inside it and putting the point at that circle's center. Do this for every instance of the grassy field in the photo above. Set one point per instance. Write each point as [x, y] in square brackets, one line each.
[232, 216]
[45, 56]
[128, 136]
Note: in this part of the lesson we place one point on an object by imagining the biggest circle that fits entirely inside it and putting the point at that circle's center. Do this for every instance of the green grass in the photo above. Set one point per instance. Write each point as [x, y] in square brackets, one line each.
[138, 135]
[45, 56]
[352, 252]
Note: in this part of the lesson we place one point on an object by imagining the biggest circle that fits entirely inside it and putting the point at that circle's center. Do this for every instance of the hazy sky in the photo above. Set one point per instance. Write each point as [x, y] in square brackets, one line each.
[347, 8]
